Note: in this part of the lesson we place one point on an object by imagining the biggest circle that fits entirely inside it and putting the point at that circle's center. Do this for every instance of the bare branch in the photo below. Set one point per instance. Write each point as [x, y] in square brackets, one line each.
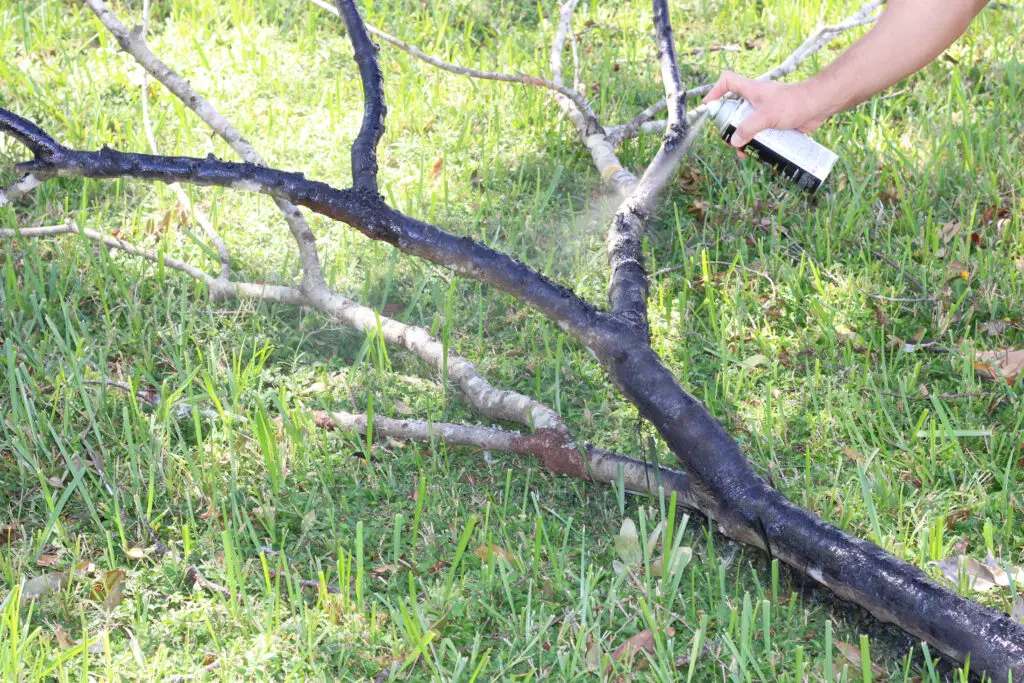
[817, 40]
[577, 99]
[364, 149]
[19, 189]
[627, 290]
[134, 44]
[565, 456]
[204, 222]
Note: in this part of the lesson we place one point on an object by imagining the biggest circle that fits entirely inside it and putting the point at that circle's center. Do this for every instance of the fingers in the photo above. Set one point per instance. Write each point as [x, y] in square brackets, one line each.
[758, 120]
[729, 81]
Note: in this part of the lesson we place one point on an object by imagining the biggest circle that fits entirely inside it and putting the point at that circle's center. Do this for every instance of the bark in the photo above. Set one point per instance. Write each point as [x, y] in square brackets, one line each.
[720, 480]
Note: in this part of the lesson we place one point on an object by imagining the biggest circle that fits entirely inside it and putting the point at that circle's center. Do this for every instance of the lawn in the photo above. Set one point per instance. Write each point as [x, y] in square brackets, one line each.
[834, 335]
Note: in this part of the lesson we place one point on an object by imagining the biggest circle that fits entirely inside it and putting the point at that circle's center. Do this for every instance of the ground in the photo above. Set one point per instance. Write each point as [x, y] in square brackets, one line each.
[787, 314]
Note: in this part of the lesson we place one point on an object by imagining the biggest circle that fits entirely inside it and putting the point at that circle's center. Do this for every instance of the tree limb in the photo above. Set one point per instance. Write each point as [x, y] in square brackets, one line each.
[744, 506]
[817, 40]
[574, 96]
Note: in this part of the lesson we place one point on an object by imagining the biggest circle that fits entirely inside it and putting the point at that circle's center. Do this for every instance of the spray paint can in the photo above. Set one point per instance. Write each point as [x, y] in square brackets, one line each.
[790, 152]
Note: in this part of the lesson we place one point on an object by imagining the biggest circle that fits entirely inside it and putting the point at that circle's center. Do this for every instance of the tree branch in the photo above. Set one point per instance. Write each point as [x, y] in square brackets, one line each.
[817, 40]
[577, 99]
[557, 455]
[628, 289]
[744, 506]
[364, 149]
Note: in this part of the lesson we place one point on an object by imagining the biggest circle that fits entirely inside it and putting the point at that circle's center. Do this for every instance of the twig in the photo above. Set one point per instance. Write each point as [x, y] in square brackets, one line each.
[577, 99]
[817, 40]
[557, 454]
[907, 276]
[197, 579]
[305, 583]
[19, 189]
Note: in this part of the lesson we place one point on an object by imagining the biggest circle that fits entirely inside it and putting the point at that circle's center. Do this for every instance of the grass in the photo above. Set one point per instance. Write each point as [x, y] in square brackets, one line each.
[453, 565]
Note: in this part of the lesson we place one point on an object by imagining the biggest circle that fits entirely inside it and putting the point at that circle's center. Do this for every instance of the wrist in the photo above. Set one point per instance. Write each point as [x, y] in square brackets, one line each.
[822, 96]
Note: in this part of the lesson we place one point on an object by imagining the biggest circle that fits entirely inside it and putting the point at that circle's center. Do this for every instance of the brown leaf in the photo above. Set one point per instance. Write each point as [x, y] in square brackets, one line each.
[63, 639]
[1001, 364]
[439, 566]
[1018, 610]
[949, 231]
[485, 551]
[641, 642]
[436, 168]
[979, 577]
[852, 654]
[113, 587]
[47, 560]
[956, 516]
[8, 534]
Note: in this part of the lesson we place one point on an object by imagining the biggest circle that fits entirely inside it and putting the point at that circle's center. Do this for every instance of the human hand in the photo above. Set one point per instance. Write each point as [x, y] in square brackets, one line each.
[776, 105]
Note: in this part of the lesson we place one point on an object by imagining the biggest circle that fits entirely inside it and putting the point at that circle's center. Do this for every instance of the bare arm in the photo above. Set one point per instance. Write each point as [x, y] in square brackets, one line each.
[908, 35]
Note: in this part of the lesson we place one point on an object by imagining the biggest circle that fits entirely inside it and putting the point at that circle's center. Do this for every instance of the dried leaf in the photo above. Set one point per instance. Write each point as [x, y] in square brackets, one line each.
[1001, 576]
[680, 558]
[852, 654]
[8, 534]
[47, 560]
[949, 231]
[1018, 610]
[485, 551]
[436, 168]
[55, 481]
[979, 577]
[627, 544]
[85, 567]
[113, 588]
[317, 388]
[641, 642]
[43, 585]
[63, 639]
[1002, 364]
[594, 657]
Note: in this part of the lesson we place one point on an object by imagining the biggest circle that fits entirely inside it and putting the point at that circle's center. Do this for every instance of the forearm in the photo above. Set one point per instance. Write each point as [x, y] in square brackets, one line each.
[908, 35]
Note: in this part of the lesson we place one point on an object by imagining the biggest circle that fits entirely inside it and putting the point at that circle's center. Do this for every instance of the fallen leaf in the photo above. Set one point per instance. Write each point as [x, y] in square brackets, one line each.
[43, 585]
[680, 558]
[439, 566]
[844, 332]
[1018, 610]
[1002, 364]
[994, 328]
[979, 577]
[63, 639]
[949, 231]
[485, 551]
[55, 481]
[1001, 576]
[641, 642]
[317, 388]
[47, 560]
[136, 553]
[852, 654]
[8, 534]
[85, 567]
[853, 455]
[627, 544]
[111, 588]
[436, 168]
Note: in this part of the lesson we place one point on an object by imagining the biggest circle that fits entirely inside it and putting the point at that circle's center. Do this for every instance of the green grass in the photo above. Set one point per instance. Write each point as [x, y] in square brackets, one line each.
[832, 413]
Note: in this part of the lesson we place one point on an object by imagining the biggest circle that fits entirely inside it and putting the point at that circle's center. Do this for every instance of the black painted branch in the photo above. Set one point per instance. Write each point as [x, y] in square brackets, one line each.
[627, 290]
[364, 149]
[723, 483]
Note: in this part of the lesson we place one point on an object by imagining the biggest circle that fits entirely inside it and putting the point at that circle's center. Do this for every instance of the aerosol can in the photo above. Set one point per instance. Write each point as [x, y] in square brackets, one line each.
[790, 152]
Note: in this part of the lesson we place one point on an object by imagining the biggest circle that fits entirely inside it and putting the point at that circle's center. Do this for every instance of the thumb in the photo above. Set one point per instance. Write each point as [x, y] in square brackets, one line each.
[749, 127]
